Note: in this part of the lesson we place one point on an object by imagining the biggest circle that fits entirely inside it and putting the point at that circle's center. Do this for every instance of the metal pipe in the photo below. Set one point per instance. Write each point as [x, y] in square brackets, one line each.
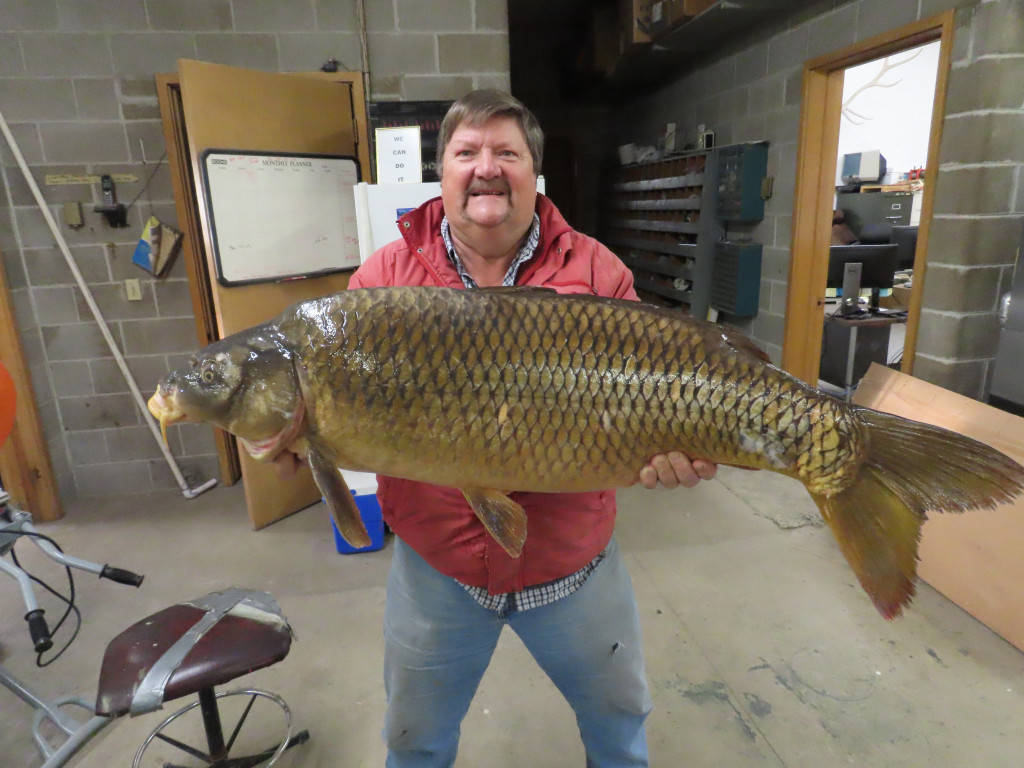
[189, 493]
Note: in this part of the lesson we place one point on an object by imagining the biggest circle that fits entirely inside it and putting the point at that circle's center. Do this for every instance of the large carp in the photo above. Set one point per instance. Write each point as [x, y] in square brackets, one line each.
[495, 390]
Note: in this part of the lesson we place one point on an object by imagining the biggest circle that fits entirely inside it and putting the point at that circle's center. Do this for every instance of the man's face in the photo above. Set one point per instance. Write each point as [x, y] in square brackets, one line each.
[487, 180]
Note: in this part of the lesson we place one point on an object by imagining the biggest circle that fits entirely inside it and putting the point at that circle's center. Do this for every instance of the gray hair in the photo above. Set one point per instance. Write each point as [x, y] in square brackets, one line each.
[477, 107]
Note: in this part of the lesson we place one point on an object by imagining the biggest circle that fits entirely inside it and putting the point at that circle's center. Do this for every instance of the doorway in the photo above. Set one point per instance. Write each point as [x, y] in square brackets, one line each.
[819, 148]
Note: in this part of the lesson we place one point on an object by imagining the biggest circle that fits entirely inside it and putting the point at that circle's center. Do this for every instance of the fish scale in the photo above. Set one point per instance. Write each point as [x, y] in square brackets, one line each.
[499, 390]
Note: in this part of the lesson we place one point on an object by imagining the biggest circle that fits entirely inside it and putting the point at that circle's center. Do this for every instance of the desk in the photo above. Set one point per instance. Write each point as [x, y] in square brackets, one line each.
[843, 361]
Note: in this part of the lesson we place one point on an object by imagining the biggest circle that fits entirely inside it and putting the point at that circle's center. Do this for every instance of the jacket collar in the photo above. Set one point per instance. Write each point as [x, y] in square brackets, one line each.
[421, 227]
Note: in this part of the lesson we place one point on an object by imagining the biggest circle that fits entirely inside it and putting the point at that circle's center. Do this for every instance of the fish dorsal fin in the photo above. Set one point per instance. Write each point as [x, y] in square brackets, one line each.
[742, 343]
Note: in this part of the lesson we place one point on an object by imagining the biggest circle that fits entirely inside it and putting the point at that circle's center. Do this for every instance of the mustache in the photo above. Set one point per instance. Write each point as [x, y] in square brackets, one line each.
[493, 186]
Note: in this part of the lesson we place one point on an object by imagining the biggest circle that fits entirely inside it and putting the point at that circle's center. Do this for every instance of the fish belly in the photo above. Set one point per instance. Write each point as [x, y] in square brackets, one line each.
[529, 390]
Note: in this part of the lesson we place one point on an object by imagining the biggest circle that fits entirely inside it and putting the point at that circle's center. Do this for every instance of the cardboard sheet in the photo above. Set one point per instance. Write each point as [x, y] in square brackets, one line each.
[975, 559]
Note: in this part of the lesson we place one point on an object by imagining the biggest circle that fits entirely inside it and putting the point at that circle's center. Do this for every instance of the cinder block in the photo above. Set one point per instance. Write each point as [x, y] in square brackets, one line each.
[146, 337]
[113, 479]
[877, 16]
[131, 443]
[87, 448]
[173, 298]
[492, 14]
[67, 54]
[307, 51]
[107, 378]
[986, 84]
[500, 81]
[46, 266]
[79, 341]
[30, 99]
[435, 87]
[449, 16]
[974, 241]
[102, 16]
[978, 189]
[484, 52]
[142, 54]
[191, 15]
[11, 62]
[752, 64]
[985, 137]
[21, 15]
[98, 412]
[766, 95]
[402, 54]
[56, 305]
[959, 289]
[27, 138]
[71, 378]
[966, 377]
[787, 50]
[832, 31]
[197, 439]
[101, 142]
[380, 17]
[97, 99]
[272, 16]
[999, 28]
[958, 336]
[14, 270]
[253, 51]
[151, 134]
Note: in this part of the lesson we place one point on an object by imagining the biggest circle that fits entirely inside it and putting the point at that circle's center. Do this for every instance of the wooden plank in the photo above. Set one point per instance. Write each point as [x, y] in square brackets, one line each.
[974, 559]
[24, 459]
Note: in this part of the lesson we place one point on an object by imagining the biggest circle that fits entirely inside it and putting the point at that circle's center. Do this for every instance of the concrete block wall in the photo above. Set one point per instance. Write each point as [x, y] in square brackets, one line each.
[77, 88]
[753, 92]
[979, 203]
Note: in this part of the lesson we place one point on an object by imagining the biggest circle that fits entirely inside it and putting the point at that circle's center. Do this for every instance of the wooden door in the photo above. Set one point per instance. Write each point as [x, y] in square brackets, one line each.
[238, 109]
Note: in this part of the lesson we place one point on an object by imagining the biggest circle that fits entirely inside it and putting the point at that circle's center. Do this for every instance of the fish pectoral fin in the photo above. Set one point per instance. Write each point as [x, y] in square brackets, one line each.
[340, 502]
[503, 518]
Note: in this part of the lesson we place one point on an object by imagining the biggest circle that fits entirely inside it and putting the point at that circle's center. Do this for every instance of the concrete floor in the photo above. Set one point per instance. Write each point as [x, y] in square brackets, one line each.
[761, 648]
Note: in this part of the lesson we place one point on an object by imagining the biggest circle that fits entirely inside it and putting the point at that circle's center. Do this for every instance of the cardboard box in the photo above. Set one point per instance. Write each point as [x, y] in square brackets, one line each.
[974, 559]
[666, 14]
[635, 19]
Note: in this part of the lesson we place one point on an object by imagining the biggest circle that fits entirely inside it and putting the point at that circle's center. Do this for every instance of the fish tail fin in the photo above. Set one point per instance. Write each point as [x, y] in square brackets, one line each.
[910, 468]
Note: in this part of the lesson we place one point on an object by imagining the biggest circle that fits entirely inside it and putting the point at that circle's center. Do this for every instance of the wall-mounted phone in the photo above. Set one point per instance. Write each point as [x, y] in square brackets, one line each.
[114, 212]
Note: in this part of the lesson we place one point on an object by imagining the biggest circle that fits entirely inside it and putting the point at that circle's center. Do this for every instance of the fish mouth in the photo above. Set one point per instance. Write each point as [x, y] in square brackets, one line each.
[165, 411]
[269, 447]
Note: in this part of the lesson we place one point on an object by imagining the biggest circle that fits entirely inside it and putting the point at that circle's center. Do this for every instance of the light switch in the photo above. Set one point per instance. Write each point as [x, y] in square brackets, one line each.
[133, 289]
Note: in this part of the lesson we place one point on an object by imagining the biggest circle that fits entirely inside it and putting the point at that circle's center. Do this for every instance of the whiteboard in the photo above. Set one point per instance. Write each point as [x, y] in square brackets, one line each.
[280, 216]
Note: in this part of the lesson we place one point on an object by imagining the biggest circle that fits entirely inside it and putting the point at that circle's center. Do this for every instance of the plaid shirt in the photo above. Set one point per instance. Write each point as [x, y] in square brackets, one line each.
[539, 594]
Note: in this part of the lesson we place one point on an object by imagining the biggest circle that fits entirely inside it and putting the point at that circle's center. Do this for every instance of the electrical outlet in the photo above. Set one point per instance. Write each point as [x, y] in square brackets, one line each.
[133, 288]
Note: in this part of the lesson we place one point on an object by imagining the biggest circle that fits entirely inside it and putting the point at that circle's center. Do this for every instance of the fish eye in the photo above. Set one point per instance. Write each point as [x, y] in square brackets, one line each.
[208, 376]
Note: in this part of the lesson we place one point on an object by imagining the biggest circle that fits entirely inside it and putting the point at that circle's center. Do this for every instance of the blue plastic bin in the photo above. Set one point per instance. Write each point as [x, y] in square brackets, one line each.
[369, 510]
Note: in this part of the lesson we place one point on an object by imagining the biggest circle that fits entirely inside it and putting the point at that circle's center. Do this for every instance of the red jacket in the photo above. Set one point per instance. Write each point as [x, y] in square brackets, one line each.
[565, 531]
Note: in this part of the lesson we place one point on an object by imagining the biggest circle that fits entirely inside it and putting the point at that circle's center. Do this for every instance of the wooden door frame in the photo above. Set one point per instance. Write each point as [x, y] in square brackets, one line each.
[818, 145]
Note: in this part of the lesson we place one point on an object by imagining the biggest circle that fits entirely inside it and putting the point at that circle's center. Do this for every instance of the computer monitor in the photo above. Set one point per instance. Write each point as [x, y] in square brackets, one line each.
[878, 265]
[905, 238]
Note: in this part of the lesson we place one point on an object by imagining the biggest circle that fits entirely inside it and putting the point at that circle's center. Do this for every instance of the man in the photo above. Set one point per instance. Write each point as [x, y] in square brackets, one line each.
[451, 588]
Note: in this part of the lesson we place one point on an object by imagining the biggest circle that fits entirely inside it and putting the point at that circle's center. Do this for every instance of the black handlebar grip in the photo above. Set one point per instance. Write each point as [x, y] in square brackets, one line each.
[121, 576]
[39, 631]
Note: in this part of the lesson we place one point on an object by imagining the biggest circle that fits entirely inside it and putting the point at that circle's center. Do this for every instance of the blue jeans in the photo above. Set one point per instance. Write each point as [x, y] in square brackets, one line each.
[438, 642]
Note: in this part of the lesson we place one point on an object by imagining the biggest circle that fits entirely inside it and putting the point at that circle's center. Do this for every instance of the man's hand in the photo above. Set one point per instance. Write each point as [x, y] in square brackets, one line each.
[674, 469]
[287, 464]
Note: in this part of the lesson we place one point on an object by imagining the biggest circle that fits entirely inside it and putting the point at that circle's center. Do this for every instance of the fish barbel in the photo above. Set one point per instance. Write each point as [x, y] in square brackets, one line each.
[495, 390]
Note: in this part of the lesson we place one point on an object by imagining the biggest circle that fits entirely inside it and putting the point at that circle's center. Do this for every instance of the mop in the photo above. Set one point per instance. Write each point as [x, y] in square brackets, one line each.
[189, 493]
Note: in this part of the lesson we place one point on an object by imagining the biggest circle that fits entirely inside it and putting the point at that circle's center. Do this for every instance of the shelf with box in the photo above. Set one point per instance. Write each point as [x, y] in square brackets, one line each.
[665, 218]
